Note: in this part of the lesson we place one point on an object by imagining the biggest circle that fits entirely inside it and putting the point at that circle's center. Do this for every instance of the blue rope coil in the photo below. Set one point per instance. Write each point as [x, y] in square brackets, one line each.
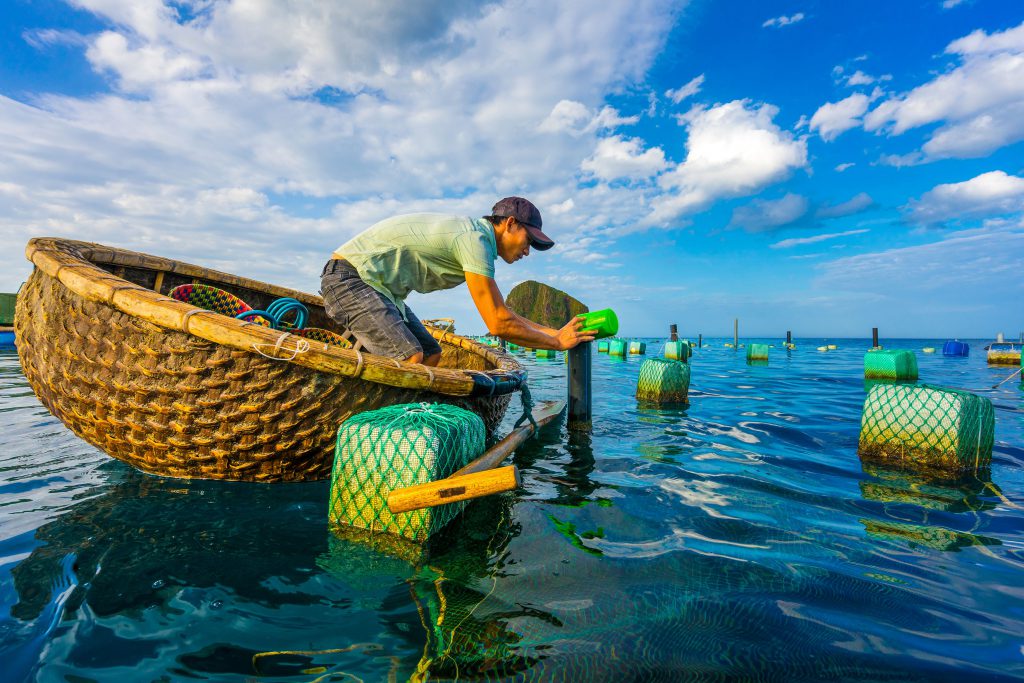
[276, 312]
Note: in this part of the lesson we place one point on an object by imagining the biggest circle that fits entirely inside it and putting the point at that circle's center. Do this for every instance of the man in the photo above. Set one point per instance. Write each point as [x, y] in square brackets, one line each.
[367, 279]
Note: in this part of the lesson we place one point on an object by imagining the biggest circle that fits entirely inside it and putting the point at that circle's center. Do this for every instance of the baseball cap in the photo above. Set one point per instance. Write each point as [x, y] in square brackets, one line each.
[527, 215]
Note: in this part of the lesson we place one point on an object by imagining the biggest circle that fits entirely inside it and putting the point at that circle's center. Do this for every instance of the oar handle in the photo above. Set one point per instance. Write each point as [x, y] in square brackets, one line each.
[453, 489]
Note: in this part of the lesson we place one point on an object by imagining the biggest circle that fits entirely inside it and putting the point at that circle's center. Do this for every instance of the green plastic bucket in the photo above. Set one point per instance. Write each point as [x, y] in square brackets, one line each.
[603, 323]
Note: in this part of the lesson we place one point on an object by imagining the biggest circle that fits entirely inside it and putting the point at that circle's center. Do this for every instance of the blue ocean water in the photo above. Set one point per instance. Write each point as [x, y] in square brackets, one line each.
[739, 537]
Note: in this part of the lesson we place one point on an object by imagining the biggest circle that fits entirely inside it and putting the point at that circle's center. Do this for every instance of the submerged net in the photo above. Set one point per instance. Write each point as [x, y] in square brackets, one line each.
[663, 380]
[394, 447]
[927, 428]
[897, 364]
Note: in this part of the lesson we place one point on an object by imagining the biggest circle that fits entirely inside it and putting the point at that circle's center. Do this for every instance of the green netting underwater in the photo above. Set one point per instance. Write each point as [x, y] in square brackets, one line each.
[397, 446]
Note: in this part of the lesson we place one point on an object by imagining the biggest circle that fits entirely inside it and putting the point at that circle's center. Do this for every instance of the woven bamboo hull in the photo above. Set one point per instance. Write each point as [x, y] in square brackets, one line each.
[173, 403]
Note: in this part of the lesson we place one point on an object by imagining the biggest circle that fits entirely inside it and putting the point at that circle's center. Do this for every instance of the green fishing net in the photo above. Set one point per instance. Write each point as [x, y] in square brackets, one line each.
[897, 364]
[397, 446]
[927, 428]
[663, 380]
[677, 350]
[757, 352]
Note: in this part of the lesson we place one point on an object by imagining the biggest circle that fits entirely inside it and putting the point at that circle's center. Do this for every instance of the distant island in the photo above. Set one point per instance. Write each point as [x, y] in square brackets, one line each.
[543, 304]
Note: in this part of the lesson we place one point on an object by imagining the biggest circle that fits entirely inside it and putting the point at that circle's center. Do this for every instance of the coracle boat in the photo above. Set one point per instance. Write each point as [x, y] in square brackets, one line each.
[181, 391]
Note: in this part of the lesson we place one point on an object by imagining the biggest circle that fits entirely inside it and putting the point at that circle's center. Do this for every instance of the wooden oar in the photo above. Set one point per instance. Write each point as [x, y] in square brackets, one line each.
[481, 477]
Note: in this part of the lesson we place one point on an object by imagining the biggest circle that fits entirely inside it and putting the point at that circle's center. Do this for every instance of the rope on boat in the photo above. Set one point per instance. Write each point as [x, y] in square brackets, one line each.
[301, 346]
[527, 401]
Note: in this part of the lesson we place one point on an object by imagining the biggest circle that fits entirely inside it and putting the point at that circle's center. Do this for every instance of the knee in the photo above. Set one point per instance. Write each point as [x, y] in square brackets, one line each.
[433, 359]
[415, 358]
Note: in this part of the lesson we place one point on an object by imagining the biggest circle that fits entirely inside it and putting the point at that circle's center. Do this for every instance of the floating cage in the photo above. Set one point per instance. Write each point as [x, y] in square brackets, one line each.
[927, 428]
[617, 347]
[663, 380]
[637, 348]
[678, 350]
[546, 353]
[897, 364]
[602, 346]
[1004, 353]
[757, 352]
[394, 447]
[956, 348]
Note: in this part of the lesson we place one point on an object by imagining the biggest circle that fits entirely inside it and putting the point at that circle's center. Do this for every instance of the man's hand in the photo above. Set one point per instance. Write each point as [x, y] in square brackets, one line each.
[571, 335]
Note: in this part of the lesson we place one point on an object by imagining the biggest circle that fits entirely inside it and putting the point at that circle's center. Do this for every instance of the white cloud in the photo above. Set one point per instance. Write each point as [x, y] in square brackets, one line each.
[860, 78]
[259, 108]
[733, 150]
[763, 215]
[779, 22]
[688, 90]
[834, 118]
[989, 194]
[858, 203]
[618, 157]
[980, 102]
[950, 4]
[797, 241]
[842, 167]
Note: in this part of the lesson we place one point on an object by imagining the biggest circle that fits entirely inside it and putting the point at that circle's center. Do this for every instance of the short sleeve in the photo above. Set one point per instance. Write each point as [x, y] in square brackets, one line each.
[474, 254]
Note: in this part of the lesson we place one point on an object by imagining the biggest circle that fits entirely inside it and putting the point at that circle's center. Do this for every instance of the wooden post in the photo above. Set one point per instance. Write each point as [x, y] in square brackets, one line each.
[736, 333]
[673, 333]
[874, 337]
[579, 387]
[789, 336]
[700, 341]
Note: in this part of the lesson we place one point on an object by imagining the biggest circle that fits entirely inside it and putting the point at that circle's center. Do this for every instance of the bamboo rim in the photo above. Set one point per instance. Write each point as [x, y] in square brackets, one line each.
[73, 264]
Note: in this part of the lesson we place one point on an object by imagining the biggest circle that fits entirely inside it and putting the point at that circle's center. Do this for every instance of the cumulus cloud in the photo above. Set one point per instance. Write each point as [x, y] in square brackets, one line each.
[617, 157]
[690, 89]
[763, 215]
[834, 118]
[990, 194]
[258, 110]
[980, 103]
[733, 150]
[779, 22]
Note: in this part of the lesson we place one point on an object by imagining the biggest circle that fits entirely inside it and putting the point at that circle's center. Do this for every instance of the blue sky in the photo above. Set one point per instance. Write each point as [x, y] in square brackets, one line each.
[813, 166]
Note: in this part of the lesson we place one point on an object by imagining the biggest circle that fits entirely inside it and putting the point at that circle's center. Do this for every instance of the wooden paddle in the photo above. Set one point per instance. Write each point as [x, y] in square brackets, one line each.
[481, 477]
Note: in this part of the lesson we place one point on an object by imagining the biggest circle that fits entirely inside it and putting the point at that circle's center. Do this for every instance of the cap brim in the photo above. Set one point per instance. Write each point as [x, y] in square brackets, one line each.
[538, 240]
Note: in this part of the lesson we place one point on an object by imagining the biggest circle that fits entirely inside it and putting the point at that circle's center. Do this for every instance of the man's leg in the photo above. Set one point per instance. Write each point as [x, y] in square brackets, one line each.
[367, 314]
[431, 349]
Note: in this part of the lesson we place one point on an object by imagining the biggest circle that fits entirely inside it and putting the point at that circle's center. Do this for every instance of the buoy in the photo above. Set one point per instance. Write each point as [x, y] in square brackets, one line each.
[728, 345]
[663, 380]
[832, 347]
[1004, 353]
[677, 350]
[757, 352]
[394, 447]
[927, 428]
[956, 348]
[637, 348]
[823, 348]
[928, 349]
[546, 353]
[898, 364]
[617, 347]
[602, 346]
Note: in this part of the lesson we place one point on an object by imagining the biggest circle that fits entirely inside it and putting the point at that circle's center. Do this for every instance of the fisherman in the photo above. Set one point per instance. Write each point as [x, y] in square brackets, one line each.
[365, 282]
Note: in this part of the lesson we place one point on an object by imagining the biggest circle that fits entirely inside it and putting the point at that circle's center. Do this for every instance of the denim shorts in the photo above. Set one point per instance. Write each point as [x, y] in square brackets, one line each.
[371, 317]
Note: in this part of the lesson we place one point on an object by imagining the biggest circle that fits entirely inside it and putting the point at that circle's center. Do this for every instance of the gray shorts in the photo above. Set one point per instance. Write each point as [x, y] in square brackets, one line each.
[371, 317]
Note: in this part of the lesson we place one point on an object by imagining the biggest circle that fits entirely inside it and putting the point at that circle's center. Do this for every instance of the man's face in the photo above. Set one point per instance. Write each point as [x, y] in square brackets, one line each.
[514, 242]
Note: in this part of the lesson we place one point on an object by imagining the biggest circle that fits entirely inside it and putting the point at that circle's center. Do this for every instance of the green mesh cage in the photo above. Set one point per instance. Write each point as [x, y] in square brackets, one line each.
[927, 428]
[663, 380]
[7, 302]
[677, 350]
[617, 347]
[381, 450]
[602, 346]
[546, 353]
[897, 364]
[757, 352]
[637, 348]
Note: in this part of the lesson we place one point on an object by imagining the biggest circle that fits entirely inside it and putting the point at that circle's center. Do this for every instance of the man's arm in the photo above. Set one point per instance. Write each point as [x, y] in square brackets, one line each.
[501, 322]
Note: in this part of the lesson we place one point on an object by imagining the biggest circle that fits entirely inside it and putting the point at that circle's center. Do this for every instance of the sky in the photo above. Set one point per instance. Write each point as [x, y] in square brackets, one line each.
[813, 166]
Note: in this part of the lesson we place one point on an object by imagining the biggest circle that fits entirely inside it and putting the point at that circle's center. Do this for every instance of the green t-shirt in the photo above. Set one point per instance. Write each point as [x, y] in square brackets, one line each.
[421, 252]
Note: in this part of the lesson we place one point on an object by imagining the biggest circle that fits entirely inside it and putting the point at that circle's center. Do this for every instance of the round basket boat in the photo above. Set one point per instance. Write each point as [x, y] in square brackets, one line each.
[180, 391]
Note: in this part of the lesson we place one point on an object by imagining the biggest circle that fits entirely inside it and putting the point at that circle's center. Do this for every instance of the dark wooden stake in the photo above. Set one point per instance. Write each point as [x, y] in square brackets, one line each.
[673, 333]
[579, 387]
[789, 336]
[700, 341]
[874, 337]
[736, 333]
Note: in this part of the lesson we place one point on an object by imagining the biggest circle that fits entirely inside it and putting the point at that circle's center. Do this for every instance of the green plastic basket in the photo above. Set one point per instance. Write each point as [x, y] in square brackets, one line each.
[617, 347]
[663, 380]
[637, 348]
[757, 352]
[895, 364]
[677, 350]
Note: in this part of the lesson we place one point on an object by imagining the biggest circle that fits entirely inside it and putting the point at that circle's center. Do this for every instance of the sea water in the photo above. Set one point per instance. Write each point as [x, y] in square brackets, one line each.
[737, 537]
